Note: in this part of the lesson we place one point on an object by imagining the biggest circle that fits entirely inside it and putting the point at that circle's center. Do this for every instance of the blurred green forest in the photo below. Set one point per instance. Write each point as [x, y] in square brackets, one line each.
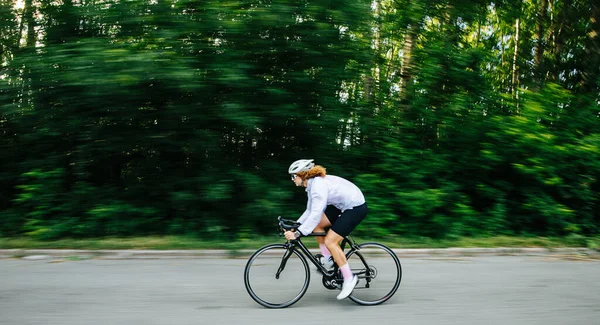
[180, 117]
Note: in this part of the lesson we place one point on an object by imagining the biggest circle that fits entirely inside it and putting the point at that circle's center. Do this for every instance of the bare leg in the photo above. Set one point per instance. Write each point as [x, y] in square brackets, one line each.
[332, 241]
[321, 228]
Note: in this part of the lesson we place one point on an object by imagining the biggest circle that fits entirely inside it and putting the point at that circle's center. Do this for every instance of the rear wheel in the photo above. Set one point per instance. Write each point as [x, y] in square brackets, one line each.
[379, 273]
[276, 276]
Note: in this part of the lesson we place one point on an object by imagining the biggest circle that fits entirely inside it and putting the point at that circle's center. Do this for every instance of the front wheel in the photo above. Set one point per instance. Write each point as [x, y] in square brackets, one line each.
[379, 273]
[276, 276]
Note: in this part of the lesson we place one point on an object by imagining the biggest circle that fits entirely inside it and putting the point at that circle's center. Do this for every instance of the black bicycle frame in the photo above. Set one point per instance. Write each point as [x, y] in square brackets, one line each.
[298, 243]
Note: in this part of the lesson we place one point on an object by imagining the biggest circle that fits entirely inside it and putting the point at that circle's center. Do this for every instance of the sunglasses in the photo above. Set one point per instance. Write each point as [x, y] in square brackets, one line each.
[294, 177]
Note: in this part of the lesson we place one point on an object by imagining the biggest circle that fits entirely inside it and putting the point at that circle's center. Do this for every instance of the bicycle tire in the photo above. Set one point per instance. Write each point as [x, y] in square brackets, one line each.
[378, 264]
[261, 269]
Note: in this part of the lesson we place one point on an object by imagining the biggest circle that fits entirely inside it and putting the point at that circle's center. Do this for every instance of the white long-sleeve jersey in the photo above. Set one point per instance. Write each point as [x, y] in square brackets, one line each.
[324, 191]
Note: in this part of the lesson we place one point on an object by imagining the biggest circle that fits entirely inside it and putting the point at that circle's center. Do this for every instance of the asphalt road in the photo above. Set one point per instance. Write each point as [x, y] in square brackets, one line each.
[467, 290]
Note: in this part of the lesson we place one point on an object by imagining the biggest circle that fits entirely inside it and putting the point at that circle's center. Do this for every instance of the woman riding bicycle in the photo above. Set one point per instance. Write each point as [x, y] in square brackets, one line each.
[332, 202]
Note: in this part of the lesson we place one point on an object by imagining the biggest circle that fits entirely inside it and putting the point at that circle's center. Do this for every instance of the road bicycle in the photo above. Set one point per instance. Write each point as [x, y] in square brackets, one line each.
[278, 275]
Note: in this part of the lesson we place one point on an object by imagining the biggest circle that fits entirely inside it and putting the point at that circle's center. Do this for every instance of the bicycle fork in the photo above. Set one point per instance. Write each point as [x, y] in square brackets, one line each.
[284, 259]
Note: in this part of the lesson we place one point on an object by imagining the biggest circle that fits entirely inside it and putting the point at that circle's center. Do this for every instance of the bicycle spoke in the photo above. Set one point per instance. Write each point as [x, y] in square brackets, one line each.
[379, 273]
[276, 277]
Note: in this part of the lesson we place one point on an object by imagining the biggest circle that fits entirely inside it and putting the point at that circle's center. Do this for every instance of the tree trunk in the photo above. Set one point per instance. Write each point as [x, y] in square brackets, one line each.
[28, 12]
[592, 49]
[558, 39]
[407, 62]
[540, 42]
[389, 60]
[514, 65]
[370, 79]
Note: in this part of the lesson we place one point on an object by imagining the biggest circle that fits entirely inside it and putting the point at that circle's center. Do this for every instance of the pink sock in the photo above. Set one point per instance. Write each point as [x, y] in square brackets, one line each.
[324, 250]
[346, 271]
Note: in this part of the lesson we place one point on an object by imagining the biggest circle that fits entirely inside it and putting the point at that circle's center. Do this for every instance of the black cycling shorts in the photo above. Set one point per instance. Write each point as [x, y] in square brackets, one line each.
[344, 223]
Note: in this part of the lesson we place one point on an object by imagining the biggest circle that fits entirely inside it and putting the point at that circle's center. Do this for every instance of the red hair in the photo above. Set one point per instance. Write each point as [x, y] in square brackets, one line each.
[318, 170]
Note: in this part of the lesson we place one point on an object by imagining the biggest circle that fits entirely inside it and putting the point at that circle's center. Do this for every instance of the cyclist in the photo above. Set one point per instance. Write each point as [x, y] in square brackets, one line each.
[332, 202]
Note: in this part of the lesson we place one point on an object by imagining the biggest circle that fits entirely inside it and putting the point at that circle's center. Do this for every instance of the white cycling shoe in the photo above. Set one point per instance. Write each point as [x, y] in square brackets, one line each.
[348, 287]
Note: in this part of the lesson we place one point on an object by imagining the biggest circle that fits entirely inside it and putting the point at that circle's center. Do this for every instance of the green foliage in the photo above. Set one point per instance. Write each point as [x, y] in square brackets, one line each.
[43, 202]
[181, 117]
[122, 219]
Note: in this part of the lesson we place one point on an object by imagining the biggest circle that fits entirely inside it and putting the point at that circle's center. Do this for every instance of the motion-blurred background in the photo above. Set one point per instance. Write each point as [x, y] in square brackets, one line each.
[162, 117]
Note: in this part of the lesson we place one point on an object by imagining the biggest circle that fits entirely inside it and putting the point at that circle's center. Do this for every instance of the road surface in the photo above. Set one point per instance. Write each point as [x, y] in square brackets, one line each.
[460, 290]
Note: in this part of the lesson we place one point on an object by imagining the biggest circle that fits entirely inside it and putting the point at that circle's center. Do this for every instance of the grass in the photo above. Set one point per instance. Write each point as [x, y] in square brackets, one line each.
[181, 242]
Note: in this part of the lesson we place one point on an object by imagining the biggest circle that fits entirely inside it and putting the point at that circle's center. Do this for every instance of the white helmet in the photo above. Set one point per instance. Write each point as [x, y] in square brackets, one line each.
[301, 165]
